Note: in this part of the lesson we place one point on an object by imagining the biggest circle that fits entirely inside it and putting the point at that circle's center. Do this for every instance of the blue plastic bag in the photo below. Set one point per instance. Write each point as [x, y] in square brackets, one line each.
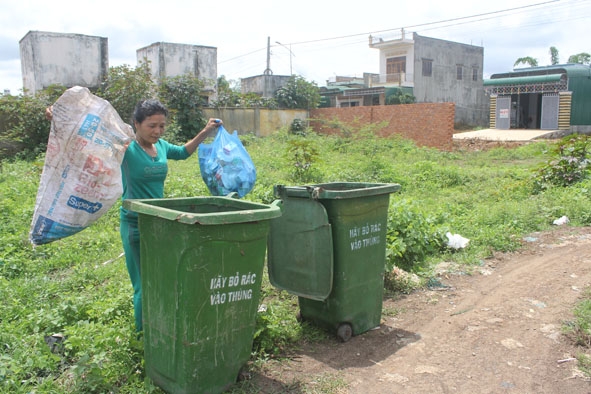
[226, 166]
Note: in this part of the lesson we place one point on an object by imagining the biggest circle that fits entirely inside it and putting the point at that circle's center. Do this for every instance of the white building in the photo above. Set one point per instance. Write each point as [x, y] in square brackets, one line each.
[62, 59]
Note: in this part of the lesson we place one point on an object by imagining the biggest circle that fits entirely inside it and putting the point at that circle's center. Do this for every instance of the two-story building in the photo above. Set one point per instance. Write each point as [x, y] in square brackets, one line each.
[430, 69]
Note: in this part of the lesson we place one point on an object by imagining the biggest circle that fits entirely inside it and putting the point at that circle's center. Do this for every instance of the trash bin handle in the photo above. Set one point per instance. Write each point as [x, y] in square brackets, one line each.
[314, 192]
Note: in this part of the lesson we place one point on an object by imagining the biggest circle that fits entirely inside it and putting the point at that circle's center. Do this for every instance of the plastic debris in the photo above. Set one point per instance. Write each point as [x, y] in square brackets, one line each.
[226, 166]
[456, 241]
[561, 221]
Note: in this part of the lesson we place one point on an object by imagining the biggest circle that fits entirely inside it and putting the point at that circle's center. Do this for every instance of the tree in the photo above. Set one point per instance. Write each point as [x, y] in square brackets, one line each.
[182, 95]
[581, 58]
[554, 59]
[528, 60]
[298, 93]
[125, 86]
[400, 98]
[227, 96]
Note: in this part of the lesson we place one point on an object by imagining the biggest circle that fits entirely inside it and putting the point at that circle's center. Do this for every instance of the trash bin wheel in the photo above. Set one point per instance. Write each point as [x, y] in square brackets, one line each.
[344, 332]
[243, 375]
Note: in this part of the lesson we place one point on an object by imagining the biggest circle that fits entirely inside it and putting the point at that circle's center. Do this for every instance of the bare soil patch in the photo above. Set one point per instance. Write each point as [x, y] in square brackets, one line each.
[494, 329]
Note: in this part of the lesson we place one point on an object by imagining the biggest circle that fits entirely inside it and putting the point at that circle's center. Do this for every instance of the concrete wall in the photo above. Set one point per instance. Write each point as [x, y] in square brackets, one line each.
[171, 60]
[472, 105]
[65, 59]
[260, 122]
[427, 124]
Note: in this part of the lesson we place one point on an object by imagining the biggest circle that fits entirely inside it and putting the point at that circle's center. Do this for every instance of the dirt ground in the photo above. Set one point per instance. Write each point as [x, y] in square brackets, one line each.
[494, 330]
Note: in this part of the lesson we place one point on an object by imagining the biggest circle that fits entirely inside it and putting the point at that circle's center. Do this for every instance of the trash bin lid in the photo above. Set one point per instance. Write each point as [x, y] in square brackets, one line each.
[300, 250]
[205, 210]
[337, 190]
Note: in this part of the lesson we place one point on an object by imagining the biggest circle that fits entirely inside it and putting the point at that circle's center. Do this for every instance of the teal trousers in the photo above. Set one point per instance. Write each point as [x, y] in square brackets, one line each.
[130, 236]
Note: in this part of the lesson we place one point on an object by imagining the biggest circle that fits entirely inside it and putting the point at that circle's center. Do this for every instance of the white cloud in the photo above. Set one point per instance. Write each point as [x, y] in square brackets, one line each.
[326, 38]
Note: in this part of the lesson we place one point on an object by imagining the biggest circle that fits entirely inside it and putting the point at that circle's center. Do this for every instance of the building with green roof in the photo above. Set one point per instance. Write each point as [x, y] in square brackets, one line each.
[554, 97]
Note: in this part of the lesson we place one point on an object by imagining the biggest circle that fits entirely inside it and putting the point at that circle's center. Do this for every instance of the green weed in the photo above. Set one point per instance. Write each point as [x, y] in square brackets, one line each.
[78, 287]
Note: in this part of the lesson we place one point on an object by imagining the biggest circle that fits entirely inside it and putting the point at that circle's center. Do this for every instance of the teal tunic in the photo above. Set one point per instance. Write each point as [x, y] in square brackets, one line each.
[143, 177]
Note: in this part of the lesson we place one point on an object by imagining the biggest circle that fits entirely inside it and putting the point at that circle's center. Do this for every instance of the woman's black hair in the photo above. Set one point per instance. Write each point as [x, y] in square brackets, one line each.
[146, 108]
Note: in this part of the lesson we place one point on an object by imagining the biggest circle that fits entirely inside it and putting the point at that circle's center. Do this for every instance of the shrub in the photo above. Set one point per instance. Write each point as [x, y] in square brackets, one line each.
[412, 236]
[569, 164]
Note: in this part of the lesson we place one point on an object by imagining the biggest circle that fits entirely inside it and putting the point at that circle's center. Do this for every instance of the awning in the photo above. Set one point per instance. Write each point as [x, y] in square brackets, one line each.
[526, 84]
[530, 79]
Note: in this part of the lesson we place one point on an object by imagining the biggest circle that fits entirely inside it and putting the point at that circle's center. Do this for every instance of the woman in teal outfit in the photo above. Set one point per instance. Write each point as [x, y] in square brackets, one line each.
[144, 171]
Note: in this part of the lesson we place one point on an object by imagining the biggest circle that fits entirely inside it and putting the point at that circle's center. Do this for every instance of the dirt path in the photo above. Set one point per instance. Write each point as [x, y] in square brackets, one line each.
[497, 330]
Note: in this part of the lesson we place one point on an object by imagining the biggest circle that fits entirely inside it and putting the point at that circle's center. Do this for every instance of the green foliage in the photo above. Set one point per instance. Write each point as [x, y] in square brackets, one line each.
[412, 236]
[303, 155]
[298, 93]
[277, 328]
[228, 96]
[569, 164]
[23, 128]
[183, 97]
[400, 97]
[527, 60]
[580, 58]
[79, 288]
[554, 58]
[298, 127]
[124, 87]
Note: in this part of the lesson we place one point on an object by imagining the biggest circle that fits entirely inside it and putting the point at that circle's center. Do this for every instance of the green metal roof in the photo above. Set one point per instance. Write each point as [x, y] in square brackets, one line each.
[523, 80]
[570, 70]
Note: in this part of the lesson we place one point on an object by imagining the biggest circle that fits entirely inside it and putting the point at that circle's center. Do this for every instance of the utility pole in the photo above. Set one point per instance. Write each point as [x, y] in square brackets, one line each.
[268, 70]
[290, 55]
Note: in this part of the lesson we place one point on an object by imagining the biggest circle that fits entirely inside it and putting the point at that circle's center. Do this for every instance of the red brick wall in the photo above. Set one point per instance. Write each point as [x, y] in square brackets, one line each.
[428, 124]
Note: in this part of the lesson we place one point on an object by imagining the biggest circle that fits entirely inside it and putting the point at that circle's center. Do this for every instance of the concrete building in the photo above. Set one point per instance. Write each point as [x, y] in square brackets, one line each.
[62, 58]
[431, 70]
[554, 97]
[171, 60]
[264, 85]
[437, 71]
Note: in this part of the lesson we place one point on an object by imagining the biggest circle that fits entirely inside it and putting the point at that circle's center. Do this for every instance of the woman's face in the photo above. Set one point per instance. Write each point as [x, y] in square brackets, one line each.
[151, 129]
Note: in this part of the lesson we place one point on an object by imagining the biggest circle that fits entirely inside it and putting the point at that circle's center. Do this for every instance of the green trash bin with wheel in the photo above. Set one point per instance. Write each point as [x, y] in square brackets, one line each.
[201, 260]
[328, 247]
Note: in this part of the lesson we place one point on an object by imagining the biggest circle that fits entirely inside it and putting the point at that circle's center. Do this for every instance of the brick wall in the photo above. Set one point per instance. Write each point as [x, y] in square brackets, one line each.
[428, 124]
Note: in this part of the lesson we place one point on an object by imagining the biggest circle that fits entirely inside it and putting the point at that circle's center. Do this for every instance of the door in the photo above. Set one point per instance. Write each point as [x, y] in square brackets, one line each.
[550, 112]
[503, 113]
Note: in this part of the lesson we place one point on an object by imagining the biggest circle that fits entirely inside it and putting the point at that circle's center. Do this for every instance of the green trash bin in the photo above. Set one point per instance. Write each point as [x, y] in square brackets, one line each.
[202, 263]
[328, 247]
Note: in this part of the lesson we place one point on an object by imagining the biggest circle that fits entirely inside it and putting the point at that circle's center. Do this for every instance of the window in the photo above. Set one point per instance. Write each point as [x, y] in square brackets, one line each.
[427, 67]
[395, 68]
[475, 73]
[459, 72]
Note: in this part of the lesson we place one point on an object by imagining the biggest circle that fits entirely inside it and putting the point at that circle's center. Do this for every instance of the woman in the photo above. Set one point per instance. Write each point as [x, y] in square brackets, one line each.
[144, 171]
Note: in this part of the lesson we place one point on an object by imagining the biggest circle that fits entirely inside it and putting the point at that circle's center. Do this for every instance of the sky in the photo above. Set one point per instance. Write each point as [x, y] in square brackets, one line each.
[316, 39]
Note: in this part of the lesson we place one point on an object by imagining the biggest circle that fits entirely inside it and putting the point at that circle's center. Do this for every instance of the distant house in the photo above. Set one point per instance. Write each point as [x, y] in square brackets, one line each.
[432, 70]
[62, 59]
[554, 97]
[264, 85]
[171, 60]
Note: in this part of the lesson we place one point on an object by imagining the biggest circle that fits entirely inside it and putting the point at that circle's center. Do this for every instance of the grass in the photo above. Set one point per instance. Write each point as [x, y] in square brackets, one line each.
[78, 286]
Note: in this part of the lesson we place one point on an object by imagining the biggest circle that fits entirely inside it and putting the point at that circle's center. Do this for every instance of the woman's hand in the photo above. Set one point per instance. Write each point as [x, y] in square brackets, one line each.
[49, 113]
[212, 124]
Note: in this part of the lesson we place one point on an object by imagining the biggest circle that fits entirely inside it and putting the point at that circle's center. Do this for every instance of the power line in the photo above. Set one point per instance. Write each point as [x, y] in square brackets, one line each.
[359, 38]
[428, 24]
[399, 28]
